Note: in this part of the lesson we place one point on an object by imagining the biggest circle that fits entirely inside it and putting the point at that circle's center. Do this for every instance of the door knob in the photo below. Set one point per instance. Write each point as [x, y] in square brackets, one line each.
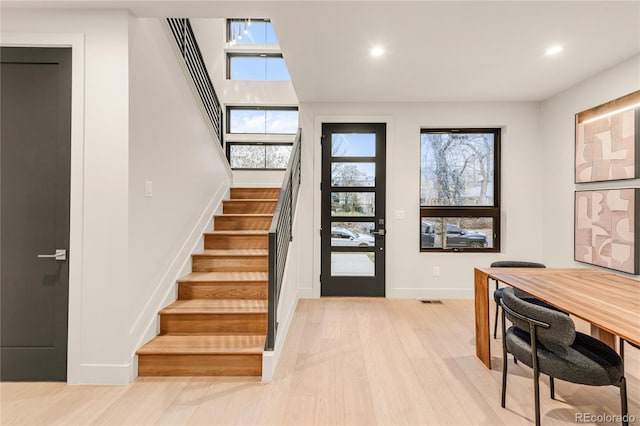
[60, 254]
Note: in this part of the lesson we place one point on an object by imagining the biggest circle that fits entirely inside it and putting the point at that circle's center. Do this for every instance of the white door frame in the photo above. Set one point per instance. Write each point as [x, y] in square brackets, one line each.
[76, 43]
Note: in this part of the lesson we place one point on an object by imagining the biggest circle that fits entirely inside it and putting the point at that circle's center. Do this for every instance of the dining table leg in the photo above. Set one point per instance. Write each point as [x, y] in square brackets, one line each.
[483, 342]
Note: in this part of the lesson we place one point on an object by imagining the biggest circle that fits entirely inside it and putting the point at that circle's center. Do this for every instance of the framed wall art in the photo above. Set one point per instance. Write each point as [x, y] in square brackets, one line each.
[606, 228]
[607, 141]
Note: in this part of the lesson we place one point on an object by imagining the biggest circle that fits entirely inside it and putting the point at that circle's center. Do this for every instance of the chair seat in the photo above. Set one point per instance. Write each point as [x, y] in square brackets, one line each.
[587, 361]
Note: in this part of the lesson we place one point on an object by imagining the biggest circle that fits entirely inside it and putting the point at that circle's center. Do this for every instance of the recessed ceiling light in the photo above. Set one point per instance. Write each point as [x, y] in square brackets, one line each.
[553, 50]
[377, 51]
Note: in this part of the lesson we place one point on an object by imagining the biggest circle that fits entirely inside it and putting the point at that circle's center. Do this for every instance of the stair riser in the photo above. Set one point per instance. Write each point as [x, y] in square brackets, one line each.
[248, 207]
[223, 290]
[239, 223]
[255, 193]
[200, 365]
[214, 323]
[230, 264]
[231, 242]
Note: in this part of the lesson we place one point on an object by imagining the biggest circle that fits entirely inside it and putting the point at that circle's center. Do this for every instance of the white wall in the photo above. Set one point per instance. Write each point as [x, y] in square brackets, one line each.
[557, 138]
[172, 147]
[98, 255]
[134, 118]
[408, 271]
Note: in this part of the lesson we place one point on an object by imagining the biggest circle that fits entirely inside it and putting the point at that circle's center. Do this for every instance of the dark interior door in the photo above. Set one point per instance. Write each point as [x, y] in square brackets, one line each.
[353, 206]
[35, 151]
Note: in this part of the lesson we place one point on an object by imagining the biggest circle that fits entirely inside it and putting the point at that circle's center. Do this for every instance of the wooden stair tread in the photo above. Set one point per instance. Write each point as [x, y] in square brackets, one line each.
[224, 276]
[242, 200]
[233, 252]
[174, 344]
[247, 215]
[216, 306]
[240, 232]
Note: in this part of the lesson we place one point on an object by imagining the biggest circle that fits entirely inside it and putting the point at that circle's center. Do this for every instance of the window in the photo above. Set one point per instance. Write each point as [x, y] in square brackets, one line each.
[258, 155]
[257, 67]
[262, 120]
[250, 31]
[253, 52]
[460, 190]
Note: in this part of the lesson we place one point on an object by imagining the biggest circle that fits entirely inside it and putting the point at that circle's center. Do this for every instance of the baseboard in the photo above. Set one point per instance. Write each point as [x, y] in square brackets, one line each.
[146, 325]
[430, 293]
[270, 358]
[101, 374]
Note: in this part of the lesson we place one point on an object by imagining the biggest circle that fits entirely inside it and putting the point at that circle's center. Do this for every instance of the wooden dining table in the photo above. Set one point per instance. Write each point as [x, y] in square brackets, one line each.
[609, 302]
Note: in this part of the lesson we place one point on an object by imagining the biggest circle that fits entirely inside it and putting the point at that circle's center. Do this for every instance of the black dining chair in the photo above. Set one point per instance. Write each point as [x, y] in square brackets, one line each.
[497, 294]
[547, 341]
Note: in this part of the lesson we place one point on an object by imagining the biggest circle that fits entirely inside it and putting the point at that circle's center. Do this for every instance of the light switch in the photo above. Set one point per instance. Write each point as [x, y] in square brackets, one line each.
[148, 188]
[399, 214]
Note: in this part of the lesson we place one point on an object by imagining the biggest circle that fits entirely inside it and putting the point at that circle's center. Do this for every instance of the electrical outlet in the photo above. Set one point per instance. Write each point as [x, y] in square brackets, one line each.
[436, 271]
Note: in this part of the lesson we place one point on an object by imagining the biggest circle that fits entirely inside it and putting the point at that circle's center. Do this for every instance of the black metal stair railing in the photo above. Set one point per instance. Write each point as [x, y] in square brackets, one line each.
[188, 46]
[280, 235]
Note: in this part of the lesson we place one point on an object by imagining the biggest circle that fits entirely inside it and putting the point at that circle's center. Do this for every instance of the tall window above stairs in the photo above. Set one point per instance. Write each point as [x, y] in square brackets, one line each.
[253, 52]
[259, 136]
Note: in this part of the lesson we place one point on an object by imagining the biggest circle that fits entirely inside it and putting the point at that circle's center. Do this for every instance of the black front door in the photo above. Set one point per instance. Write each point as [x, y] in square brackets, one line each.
[35, 152]
[353, 206]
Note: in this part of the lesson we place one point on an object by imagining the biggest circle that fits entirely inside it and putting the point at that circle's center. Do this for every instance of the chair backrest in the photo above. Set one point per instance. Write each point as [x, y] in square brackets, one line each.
[561, 331]
[516, 264]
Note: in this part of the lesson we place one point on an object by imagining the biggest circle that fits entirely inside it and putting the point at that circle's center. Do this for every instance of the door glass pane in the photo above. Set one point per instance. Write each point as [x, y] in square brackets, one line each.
[353, 203]
[462, 232]
[353, 264]
[352, 234]
[353, 174]
[353, 144]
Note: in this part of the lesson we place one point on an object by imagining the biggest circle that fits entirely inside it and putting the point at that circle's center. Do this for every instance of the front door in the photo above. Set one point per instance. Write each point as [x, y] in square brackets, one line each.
[35, 151]
[353, 206]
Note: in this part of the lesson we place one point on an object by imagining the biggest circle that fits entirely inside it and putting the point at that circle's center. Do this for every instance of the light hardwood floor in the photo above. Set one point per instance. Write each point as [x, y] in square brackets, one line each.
[353, 361]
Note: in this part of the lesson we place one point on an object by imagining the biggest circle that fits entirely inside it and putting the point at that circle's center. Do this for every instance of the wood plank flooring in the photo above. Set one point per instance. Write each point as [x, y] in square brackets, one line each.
[355, 361]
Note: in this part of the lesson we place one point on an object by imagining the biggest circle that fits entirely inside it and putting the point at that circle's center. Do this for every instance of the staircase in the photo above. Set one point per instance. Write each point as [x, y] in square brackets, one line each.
[218, 325]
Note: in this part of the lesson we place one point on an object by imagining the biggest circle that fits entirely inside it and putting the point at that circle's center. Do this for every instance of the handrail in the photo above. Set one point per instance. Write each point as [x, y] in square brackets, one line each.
[188, 46]
[280, 235]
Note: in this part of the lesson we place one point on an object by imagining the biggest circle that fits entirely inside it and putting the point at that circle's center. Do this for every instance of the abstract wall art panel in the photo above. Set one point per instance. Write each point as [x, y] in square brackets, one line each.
[606, 228]
[607, 141]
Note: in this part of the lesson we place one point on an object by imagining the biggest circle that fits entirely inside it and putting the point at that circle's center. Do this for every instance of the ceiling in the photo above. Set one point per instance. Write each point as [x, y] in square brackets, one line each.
[434, 50]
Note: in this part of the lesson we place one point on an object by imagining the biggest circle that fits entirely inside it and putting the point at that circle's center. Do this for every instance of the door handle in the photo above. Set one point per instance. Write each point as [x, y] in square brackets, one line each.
[60, 254]
[380, 232]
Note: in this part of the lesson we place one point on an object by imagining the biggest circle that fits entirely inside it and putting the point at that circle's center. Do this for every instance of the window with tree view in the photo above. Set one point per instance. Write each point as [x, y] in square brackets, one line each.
[460, 190]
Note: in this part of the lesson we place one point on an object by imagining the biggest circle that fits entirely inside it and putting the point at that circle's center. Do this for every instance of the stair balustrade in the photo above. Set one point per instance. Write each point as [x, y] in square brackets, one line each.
[280, 236]
[188, 47]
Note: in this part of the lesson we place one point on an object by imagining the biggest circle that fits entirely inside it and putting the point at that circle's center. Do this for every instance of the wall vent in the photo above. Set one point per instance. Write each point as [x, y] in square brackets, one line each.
[432, 302]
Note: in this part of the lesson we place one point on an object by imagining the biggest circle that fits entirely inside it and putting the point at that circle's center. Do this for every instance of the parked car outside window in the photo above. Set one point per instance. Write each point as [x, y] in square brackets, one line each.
[344, 237]
[456, 237]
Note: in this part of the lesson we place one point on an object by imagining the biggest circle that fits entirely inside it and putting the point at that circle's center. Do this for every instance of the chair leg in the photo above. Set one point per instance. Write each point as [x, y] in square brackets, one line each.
[504, 377]
[495, 323]
[536, 392]
[623, 402]
[552, 387]
[504, 360]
